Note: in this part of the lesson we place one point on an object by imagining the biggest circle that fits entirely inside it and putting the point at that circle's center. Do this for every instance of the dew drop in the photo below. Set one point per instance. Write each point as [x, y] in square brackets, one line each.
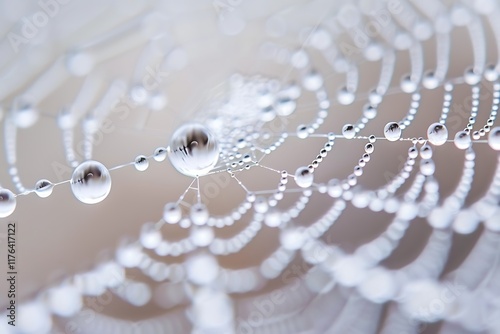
[160, 154]
[7, 203]
[141, 163]
[193, 150]
[348, 131]
[494, 138]
[172, 213]
[43, 188]
[392, 131]
[462, 140]
[437, 134]
[199, 214]
[91, 182]
[303, 177]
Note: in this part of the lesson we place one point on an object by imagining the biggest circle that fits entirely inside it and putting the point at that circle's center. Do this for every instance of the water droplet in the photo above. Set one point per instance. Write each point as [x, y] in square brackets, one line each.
[494, 138]
[345, 96]
[7, 203]
[91, 182]
[471, 77]
[160, 154]
[430, 81]
[426, 152]
[369, 111]
[26, 116]
[427, 167]
[43, 188]
[437, 134]
[348, 131]
[273, 218]
[302, 131]
[150, 236]
[193, 150]
[312, 81]
[285, 106]
[303, 177]
[172, 213]
[392, 131]
[369, 148]
[141, 163]
[413, 152]
[408, 85]
[462, 140]
[199, 214]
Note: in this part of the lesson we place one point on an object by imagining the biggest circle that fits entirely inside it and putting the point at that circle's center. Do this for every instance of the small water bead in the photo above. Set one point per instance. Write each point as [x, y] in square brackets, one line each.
[426, 152]
[172, 213]
[491, 73]
[193, 150]
[437, 134]
[199, 214]
[91, 182]
[427, 167]
[302, 131]
[273, 218]
[285, 106]
[462, 140]
[8, 203]
[471, 77]
[369, 111]
[312, 81]
[413, 152]
[494, 138]
[372, 139]
[408, 85]
[160, 154]
[141, 163]
[304, 177]
[348, 131]
[392, 131]
[150, 236]
[26, 116]
[375, 97]
[345, 96]
[369, 148]
[44, 188]
[430, 81]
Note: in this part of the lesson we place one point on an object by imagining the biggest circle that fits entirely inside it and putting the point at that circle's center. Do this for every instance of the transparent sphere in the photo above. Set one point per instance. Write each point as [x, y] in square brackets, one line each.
[437, 134]
[345, 97]
[64, 301]
[172, 213]
[348, 131]
[160, 154]
[494, 138]
[91, 182]
[427, 167]
[141, 163]
[44, 188]
[430, 81]
[303, 177]
[25, 116]
[7, 203]
[392, 131]
[462, 140]
[199, 214]
[408, 85]
[193, 150]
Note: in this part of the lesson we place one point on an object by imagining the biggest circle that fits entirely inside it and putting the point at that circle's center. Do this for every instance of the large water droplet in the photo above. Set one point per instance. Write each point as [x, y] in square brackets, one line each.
[193, 150]
[437, 134]
[427, 167]
[303, 177]
[392, 131]
[25, 116]
[494, 138]
[7, 203]
[345, 96]
[91, 182]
